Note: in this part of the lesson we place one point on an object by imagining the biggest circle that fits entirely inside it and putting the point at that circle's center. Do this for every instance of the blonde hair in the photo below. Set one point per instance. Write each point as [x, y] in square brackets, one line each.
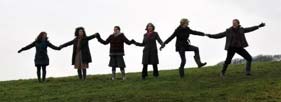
[183, 21]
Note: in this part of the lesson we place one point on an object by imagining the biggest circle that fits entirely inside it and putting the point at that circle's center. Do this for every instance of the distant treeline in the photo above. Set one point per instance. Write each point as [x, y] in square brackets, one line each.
[259, 58]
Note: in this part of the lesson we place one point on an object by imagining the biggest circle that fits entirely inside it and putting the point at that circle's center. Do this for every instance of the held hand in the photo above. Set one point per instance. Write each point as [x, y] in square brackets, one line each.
[20, 51]
[162, 46]
[208, 35]
[262, 24]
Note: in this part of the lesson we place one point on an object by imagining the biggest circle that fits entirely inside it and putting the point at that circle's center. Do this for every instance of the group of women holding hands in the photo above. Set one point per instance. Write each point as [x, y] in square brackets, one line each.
[81, 56]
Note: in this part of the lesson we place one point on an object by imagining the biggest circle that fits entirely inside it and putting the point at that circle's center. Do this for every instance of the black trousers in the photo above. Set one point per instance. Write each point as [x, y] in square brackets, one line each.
[155, 70]
[242, 52]
[39, 67]
[183, 59]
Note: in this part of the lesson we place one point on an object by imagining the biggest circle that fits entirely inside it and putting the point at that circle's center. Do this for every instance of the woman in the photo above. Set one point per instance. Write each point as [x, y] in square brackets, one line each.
[41, 56]
[150, 54]
[81, 56]
[116, 53]
[183, 44]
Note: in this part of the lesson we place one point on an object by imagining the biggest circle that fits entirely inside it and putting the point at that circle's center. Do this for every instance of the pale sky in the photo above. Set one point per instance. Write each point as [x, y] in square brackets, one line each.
[22, 20]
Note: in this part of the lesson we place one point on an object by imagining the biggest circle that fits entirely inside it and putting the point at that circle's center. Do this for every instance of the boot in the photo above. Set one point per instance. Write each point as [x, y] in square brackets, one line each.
[198, 61]
[84, 74]
[79, 74]
[223, 70]
[181, 72]
[123, 74]
[248, 68]
[113, 75]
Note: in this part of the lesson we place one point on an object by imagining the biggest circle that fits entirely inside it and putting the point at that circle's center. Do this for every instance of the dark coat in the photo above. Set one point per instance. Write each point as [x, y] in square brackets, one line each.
[84, 47]
[41, 55]
[116, 43]
[182, 35]
[150, 54]
[229, 35]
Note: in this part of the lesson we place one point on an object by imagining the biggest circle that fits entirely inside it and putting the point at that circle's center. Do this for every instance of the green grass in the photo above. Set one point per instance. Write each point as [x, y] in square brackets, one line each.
[199, 85]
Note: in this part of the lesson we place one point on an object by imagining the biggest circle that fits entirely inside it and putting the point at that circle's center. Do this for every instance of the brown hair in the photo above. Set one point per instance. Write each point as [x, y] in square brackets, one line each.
[39, 38]
[150, 24]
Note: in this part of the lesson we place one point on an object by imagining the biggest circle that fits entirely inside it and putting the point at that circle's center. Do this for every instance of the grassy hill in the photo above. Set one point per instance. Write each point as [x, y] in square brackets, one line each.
[199, 85]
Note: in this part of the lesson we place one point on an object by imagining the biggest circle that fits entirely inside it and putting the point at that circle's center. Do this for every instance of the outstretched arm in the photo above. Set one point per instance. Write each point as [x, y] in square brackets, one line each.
[250, 29]
[139, 44]
[217, 36]
[128, 42]
[27, 47]
[197, 33]
[53, 46]
[67, 44]
[159, 39]
[93, 36]
[104, 42]
[171, 37]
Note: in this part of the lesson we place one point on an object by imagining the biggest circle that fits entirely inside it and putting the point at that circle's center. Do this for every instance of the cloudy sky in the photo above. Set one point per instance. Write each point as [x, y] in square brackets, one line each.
[22, 20]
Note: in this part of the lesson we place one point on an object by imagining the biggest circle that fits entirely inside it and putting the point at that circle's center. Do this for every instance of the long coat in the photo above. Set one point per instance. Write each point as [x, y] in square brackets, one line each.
[229, 35]
[150, 54]
[182, 35]
[41, 55]
[84, 47]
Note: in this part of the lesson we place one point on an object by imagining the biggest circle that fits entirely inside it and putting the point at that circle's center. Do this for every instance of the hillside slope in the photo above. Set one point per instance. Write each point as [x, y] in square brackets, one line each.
[200, 85]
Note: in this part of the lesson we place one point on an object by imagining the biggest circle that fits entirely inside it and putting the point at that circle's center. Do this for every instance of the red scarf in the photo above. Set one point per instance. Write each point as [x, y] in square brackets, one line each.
[149, 34]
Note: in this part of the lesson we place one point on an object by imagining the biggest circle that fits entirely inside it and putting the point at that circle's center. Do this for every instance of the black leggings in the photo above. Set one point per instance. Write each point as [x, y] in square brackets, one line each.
[155, 70]
[39, 72]
[82, 73]
[183, 59]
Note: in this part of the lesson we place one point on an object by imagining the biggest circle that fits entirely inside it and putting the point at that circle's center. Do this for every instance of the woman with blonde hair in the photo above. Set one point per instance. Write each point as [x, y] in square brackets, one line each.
[182, 34]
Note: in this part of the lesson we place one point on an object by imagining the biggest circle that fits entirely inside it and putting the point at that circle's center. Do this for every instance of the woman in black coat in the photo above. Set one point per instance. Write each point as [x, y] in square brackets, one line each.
[41, 56]
[81, 55]
[150, 54]
[183, 44]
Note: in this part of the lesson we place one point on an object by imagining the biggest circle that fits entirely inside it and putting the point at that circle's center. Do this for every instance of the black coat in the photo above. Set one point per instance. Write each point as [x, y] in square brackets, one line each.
[84, 47]
[41, 55]
[150, 54]
[182, 35]
[229, 35]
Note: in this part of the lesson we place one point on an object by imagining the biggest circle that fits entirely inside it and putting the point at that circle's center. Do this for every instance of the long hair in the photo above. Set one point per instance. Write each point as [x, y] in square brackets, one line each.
[150, 24]
[77, 31]
[39, 38]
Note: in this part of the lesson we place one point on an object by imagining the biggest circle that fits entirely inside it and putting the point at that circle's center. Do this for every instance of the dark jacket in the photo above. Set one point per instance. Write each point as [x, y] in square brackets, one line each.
[41, 54]
[116, 43]
[84, 47]
[150, 54]
[229, 33]
[182, 35]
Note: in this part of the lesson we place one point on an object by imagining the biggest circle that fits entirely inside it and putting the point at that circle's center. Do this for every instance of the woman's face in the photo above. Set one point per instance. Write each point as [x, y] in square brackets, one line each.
[116, 30]
[149, 28]
[44, 36]
[80, 33]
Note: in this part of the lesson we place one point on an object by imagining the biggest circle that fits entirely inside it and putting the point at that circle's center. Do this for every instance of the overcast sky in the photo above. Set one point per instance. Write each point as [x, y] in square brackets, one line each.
[22, 20]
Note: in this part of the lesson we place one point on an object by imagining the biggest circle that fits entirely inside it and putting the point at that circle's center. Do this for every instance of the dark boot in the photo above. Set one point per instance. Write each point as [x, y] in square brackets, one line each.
[198, 61]
[181, 72]
[79, 73]
[44, 74]
[248, 68]
[155, 71]
[113, 74]
[39, 74]
[223, 70]
[84, 74]
[123, 73]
